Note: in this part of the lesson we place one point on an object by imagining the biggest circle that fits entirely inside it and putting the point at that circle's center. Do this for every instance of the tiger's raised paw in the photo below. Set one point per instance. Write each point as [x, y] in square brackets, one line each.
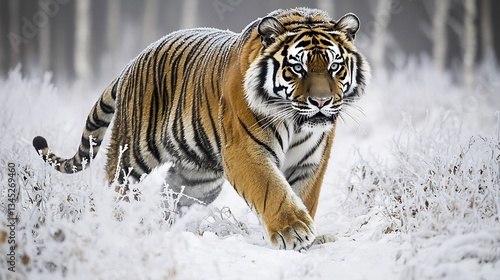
[299, 234]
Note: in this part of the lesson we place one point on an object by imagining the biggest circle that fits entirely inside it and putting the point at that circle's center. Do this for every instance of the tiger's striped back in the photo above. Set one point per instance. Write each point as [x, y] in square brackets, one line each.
[173, 83]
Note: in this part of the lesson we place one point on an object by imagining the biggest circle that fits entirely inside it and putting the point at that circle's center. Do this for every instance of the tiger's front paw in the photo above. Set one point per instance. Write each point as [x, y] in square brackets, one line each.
[294, 230]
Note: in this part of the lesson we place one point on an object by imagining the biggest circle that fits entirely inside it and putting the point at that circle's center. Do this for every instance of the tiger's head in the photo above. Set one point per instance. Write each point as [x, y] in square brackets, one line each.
[308, 68]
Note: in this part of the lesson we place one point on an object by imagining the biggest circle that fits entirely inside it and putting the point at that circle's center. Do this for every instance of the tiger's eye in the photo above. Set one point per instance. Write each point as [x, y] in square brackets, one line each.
[334, 67]
[297, 68]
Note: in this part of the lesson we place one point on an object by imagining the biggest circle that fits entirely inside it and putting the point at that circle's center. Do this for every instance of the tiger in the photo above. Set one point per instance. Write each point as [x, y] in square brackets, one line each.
[257, 109]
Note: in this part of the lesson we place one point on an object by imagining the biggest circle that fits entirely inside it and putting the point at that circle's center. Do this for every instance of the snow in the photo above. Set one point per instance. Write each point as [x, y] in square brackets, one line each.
[387, 223]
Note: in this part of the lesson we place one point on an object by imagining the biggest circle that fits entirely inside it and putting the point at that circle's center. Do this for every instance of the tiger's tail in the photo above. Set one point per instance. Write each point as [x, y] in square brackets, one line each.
[96, 125]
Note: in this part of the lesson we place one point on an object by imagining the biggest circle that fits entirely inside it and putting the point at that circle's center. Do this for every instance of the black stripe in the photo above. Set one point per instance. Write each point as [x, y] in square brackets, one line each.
[213, 124]
[85, 142]
[223, 110]
[89, 125]
[166, 93]
[277, 136]
[141, 163]
[197, 181]
[94, 124]
[107, 109]
[326, 42]
[161, 77]
[303, 44]
[281, 205]
[359, 78]
[301, 141]
[146, 146]
[262, 144]
[114, 90]
[312, 151]
[200, 136]
[134, 148]
[265, 197]
[152, 125]
[212, 194]
[308, 154]
[137, 113]
[262, 78]
[287, 130]
[135, 174]
[299, 178]
[83, 154]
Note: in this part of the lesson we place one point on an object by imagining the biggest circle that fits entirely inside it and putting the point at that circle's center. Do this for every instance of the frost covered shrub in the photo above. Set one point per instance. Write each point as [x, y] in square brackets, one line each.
[67, 225]
[434, 182]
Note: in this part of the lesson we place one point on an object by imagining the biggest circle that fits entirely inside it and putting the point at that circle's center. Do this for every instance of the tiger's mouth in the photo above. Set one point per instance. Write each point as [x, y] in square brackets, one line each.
[320, 117]
[318, 120]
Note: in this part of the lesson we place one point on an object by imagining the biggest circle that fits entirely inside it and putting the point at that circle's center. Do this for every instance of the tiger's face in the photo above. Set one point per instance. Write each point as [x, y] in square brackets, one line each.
[307, 72]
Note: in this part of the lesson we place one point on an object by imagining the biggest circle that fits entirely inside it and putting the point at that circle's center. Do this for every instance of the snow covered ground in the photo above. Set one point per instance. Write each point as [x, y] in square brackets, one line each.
[413, 195]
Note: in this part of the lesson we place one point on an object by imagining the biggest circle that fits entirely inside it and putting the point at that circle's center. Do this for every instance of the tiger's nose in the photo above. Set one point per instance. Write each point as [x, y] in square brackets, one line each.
[319, 102]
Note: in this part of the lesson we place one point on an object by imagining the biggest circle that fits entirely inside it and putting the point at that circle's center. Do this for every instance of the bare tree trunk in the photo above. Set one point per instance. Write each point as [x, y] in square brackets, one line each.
[189, 14]
[150, 21]
[487, 31]
[15, 28]
[439, 34]
[113, 34]
[44, 46]
[469, 41]
[382, 18]
[82, 43]
[327, 6]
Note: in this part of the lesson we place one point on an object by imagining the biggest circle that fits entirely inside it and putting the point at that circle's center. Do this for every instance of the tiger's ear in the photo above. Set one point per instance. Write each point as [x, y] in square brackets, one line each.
[269, 29]
[349, 24]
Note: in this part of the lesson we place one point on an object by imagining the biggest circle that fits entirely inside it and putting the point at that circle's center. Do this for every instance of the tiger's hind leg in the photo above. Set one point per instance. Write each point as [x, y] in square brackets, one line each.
[194, 186]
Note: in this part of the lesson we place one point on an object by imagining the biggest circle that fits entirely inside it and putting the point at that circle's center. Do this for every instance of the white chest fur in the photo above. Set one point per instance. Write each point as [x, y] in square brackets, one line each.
[299, 153]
